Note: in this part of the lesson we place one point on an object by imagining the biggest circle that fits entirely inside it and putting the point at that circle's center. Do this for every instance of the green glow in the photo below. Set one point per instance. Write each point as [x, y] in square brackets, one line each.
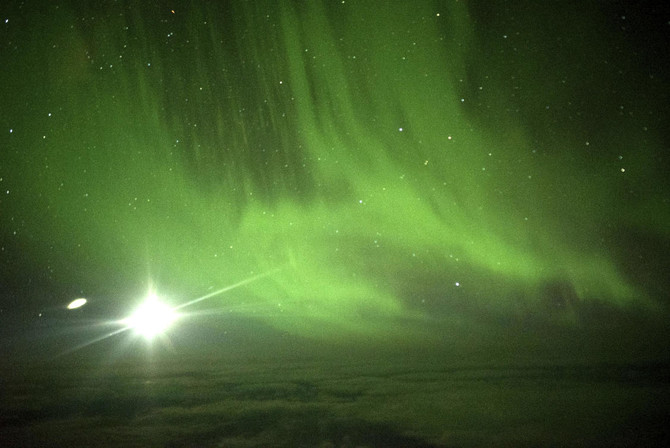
[334, 143]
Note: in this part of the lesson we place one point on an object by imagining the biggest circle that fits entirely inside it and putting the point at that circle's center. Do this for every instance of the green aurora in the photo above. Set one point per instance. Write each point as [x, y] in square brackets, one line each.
[394, 170]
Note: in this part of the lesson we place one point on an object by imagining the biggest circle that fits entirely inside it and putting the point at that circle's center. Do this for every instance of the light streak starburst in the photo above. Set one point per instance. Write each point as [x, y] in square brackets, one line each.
[153, 317]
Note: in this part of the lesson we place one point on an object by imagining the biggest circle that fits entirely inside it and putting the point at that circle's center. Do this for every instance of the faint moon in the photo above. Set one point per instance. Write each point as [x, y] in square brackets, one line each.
[76, 303]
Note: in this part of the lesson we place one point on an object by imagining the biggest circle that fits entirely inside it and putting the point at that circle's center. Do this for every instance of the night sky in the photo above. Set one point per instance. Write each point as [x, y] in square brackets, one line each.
[384, 173]
[446, 182]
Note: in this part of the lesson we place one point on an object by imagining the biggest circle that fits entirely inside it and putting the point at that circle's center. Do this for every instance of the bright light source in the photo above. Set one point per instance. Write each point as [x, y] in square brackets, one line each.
[76, 303]
[151, 318]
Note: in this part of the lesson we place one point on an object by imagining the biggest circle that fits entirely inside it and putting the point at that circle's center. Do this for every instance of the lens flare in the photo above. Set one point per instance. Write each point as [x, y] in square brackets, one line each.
[76, 303]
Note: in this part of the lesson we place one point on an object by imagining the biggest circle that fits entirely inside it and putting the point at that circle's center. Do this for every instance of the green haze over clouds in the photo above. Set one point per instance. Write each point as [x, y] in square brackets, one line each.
[385, 160]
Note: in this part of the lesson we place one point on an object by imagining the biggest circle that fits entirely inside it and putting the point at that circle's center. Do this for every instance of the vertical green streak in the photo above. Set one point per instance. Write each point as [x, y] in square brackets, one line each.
[327, 139]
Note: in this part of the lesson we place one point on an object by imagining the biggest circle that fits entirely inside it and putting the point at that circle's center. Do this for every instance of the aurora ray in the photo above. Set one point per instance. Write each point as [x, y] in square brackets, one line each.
[382, 164]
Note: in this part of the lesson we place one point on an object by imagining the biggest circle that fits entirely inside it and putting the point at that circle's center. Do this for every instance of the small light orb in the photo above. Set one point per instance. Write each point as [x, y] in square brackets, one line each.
[76, 303]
